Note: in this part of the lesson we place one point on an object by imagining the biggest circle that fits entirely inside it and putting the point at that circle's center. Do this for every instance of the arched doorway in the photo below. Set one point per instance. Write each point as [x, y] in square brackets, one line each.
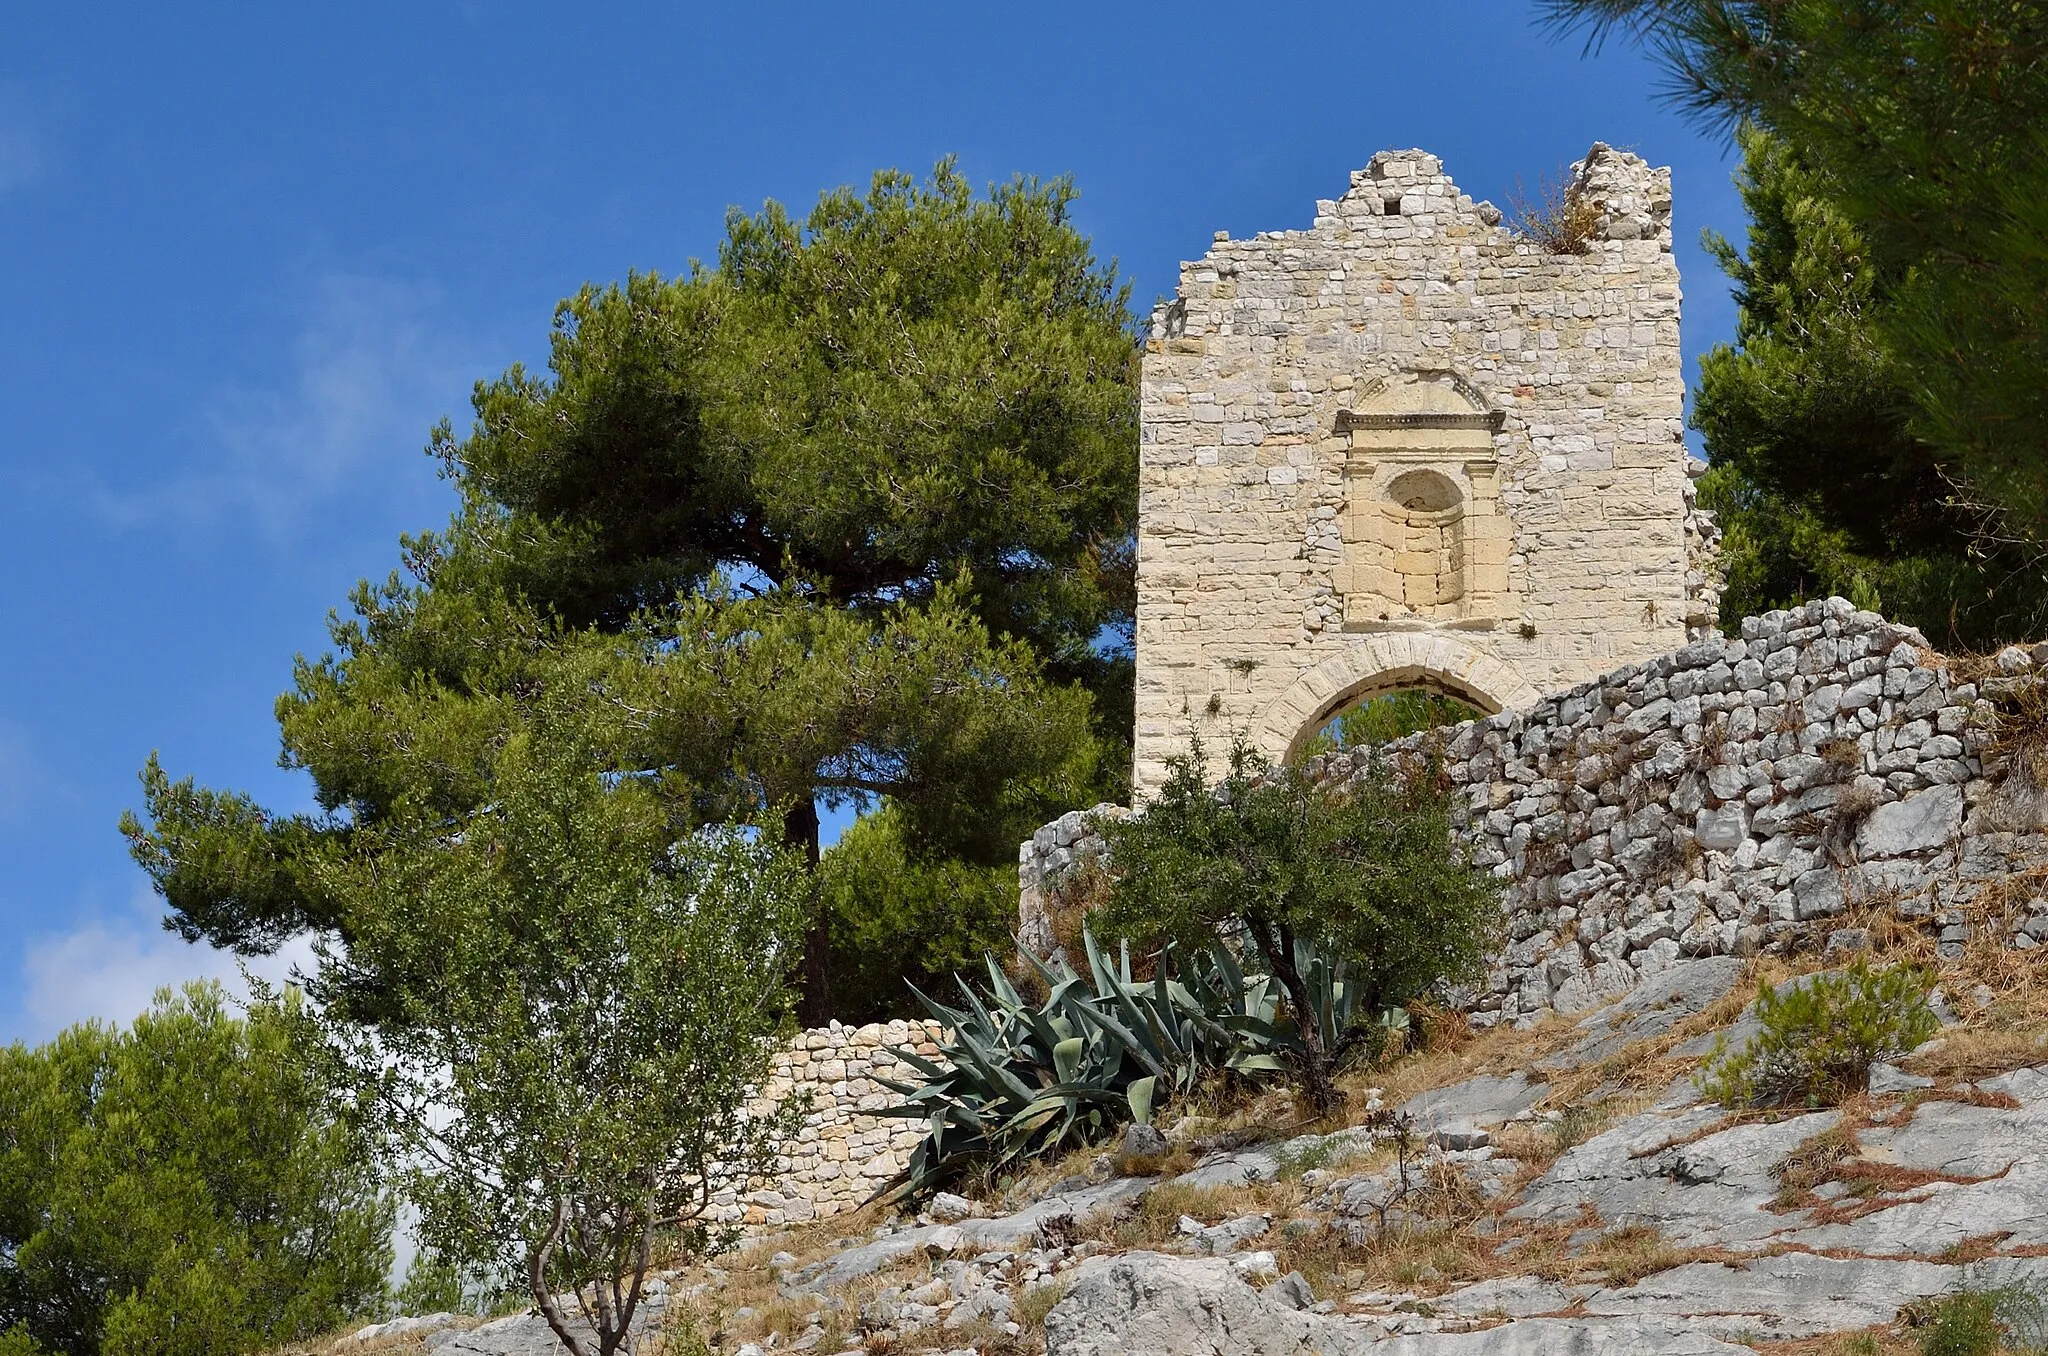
[1379, 717]
[1374, 665]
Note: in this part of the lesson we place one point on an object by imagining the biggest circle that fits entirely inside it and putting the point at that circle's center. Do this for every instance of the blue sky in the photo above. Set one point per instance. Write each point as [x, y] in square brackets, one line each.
[249, 255]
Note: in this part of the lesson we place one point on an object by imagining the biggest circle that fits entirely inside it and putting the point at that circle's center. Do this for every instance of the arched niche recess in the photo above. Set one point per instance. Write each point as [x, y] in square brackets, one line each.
[1425, 544]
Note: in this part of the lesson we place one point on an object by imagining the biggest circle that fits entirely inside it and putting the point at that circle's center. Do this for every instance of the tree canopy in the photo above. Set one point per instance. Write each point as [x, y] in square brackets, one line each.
[1927, 124]
[1819, 481]
[187, 1187]
[847, 515]
[557, 1013]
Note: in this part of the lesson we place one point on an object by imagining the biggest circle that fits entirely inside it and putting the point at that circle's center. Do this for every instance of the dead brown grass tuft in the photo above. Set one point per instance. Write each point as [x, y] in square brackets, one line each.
[1634, 1251]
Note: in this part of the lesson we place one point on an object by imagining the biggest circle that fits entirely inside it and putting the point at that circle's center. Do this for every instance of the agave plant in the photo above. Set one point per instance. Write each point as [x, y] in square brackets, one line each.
[1022, 1079]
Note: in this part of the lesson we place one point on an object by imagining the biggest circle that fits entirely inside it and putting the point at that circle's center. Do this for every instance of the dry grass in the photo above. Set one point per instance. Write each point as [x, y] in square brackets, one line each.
[1880, 1341]
[1628, 1254]
[1816, 1160]
[1154, 1220]
[2018, 746]
[1970, 1055]
[337, 1343]
[1033, 1305]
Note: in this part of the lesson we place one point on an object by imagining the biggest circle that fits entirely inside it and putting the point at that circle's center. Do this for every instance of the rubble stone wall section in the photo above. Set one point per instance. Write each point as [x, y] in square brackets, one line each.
[845, 1151]
[1736, 795]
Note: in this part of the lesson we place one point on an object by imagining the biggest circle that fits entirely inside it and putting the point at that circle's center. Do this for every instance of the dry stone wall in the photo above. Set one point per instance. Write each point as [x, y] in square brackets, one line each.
[845, 1150]
[1409, 445]
[1783, 787]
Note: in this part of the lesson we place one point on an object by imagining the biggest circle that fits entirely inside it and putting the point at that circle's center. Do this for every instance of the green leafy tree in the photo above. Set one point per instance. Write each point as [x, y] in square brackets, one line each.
[899, 919]
[1389, 716]
[558, 1012]
[1369, 873]
[1820, 484]
[189, 1185]
[1928, 124]
[847, 516]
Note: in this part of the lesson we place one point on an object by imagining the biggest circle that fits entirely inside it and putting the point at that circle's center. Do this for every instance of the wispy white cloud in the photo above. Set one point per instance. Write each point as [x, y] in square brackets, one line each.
[111, 968]
[369, 372]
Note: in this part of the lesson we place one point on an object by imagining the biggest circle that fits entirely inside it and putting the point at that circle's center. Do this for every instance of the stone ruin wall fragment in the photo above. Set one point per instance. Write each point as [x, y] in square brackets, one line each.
[1409, 445]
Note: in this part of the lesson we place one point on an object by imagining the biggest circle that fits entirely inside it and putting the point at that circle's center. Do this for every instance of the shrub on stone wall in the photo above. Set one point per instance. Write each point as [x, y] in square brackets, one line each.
[1819, 1036]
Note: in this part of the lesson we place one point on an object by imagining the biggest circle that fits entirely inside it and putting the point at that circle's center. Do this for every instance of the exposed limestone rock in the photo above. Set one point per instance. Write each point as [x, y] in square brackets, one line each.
[1145, 1304]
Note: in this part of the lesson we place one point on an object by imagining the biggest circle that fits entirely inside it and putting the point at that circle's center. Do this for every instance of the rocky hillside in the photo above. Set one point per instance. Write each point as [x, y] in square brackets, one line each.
[1563, 1188]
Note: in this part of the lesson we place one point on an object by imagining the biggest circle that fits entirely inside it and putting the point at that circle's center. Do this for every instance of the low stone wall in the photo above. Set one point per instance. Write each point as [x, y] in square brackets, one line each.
[1736, 795]
[844, 1152]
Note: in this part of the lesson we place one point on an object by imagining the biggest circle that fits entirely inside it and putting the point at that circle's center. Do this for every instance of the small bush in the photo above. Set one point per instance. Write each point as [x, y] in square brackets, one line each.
[1962, 1325]
[1369, 873]
[1982, 1322]
[1820, 1036]
[1556, 219]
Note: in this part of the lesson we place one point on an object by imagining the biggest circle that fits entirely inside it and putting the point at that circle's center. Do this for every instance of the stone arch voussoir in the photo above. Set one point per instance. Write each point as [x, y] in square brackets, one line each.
[1384, 663]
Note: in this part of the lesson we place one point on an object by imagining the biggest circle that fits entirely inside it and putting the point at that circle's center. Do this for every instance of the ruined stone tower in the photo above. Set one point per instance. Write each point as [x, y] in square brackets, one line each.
[1409, 447]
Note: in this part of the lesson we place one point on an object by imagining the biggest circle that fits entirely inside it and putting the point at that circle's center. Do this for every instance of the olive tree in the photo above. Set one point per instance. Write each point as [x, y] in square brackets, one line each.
[1369, 872]
[558, 1008]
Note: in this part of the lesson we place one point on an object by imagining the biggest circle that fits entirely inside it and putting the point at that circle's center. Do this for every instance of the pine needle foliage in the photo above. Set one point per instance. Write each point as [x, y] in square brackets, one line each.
[1820, 1035]
[1928, 122]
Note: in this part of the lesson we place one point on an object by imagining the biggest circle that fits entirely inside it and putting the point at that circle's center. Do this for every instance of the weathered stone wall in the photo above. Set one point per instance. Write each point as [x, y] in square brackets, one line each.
[1407, 445]
[844, 1151]
[1736, 795]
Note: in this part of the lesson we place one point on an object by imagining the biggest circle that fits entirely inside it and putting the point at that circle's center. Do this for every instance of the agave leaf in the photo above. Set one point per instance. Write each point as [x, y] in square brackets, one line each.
[1098, 968]
[1128, 1042]
[1139, 1095]
[1257, 1064]
[1066, 1058]
[993, 1072]
[999, 984]
[919, 1063]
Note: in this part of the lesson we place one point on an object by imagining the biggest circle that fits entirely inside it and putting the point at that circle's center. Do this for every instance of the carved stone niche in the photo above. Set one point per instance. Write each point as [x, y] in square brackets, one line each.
[1425, 544]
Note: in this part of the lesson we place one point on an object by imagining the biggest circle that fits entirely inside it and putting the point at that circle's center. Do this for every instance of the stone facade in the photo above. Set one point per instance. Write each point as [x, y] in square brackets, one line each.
[1408, 446]
[845, 1151]
[1788, 787]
